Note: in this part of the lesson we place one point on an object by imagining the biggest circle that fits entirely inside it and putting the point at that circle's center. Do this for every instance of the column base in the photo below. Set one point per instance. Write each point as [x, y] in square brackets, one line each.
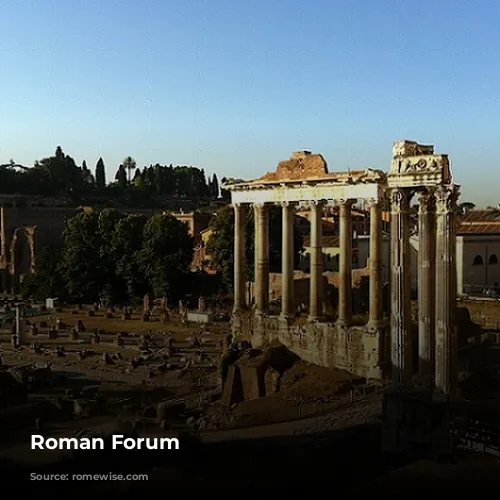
[343, 323]
[376, 324]
[238, 311]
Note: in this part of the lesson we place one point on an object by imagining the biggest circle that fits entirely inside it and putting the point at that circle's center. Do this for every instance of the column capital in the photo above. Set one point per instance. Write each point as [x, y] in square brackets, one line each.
[446, 199]
[316, 203]
[345, 202]
[373, 202]
[288, 204]
[400, 200]
[259, 207]
[426, 201]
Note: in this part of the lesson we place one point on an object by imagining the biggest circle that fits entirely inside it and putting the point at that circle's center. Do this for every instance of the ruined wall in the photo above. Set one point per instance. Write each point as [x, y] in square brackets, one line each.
[355, 349]
[485, 312]
[24, 232]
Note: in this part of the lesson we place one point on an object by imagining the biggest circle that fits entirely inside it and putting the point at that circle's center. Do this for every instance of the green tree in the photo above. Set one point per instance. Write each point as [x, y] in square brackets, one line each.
[129, 164]
[100, 174]
[87, 177]
[214, 192]
[167, 253]
[127, 244]
[59, 173]
[466, 206]
[113, 289]
[224, 193]
[121, 177]
[81, 264]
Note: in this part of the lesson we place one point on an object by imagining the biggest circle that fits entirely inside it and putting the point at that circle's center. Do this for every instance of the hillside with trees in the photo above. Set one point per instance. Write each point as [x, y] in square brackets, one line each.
[58, 176]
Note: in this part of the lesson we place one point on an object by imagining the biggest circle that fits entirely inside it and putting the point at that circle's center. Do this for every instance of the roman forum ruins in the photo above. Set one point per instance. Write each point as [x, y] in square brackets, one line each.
[378, 348]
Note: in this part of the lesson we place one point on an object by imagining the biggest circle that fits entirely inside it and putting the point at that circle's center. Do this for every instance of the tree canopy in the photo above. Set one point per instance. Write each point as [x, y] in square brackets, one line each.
[115, 258]
[58, 175]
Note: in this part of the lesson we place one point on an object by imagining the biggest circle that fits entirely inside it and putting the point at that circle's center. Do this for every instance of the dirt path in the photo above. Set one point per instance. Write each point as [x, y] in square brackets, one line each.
[346, 415]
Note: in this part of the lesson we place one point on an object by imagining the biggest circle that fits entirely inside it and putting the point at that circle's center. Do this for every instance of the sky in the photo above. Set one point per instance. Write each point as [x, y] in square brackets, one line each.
[235, 86]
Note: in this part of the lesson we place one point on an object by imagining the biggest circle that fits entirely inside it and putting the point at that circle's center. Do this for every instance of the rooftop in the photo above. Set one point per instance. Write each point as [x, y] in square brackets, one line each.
[483, 221]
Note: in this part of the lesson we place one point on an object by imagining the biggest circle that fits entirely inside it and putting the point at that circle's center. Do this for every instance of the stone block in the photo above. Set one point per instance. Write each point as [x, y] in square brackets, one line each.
[233, 390]
[271, 379]
[200, 317]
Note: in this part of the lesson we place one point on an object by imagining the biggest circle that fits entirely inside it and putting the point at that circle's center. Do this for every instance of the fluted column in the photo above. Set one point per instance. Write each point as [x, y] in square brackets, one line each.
[239, 258]
[287, 281]
[446, 290]
[316, 260]
[345, 264]
[401, 355]
[261, 258]
[376, 287]
[426, 288]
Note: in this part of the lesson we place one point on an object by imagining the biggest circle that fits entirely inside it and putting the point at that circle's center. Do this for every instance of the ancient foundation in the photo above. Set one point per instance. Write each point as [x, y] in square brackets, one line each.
[356, 349]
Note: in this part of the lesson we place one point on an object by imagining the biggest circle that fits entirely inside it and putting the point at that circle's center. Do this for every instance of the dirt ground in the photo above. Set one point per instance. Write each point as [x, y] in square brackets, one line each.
[116, 324]
[305, 390]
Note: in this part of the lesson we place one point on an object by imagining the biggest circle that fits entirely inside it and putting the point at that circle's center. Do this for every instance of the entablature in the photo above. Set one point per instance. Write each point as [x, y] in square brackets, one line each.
[300, 193]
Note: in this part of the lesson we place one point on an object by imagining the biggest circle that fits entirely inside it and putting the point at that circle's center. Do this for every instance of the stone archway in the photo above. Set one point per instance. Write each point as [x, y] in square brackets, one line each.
[21, 255]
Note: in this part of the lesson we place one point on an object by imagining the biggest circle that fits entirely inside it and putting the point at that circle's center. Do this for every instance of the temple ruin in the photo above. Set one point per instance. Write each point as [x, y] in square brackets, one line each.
[378, 348]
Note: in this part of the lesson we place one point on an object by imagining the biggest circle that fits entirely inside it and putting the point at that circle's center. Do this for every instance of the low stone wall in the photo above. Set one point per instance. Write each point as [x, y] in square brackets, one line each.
[356, 349]
[485, 312]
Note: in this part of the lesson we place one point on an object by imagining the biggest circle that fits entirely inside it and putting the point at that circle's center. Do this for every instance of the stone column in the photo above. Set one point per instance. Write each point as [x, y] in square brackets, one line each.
[376, 286]
[426, 288]
[239, 258]
[287, 281]
[20, 327]
[316, 261]
[446, 290]
[345, 264]
[401, 354]
[261, 288]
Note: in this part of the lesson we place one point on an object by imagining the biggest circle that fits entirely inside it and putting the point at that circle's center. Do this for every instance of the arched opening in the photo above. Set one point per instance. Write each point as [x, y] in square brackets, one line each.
[493, 259]
[478, 261]
[22, 252]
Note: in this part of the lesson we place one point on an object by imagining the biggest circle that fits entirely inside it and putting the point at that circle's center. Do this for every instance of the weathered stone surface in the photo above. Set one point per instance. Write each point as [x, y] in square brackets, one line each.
[246, 380]
[302, 165]
[271, 380]
[202, 306]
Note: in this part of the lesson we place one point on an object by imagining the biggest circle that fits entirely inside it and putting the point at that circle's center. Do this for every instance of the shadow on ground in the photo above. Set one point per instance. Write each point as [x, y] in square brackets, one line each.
[347, 463]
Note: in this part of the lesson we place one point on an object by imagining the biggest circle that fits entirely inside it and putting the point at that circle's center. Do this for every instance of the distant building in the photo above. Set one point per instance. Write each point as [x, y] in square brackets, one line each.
[478, 252]
[477, 256]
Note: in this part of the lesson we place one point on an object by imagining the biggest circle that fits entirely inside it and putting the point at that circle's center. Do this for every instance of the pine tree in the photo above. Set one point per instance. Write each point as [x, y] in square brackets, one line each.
[121, 177]
[100, 174]
[215, 186]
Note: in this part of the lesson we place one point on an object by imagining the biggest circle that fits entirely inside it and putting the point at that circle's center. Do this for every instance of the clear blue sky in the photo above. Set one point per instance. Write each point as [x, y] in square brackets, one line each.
[234, 86]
